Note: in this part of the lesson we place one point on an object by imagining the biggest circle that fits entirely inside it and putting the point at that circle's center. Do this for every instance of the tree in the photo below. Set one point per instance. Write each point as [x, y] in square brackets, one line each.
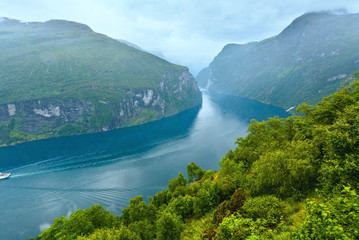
[177, 182]
[80, 223]
[207, 198]
[194, 172]
[161, 198]
[137, 210]
[284, 172]
[169, 227]
[182, 206]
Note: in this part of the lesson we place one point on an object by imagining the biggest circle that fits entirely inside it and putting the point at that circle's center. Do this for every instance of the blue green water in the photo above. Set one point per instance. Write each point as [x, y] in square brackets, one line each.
[55, 177]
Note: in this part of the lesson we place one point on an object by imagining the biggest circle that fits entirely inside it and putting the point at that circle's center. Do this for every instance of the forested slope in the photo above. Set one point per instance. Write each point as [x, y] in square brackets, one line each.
[60, 78]
[293, 178]
[310, 59]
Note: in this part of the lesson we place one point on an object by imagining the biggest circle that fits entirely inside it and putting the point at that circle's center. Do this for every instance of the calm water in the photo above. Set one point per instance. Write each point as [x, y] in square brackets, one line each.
[55, 177]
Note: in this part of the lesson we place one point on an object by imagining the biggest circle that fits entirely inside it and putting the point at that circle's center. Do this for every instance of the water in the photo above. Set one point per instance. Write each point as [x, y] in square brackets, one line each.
[54, 177]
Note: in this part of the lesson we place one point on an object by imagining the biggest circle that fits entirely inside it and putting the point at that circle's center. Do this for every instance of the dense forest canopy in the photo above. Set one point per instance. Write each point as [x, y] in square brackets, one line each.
[293, 178]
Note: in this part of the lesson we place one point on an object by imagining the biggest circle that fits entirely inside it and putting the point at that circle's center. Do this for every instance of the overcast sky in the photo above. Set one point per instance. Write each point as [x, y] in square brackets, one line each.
[187, 32]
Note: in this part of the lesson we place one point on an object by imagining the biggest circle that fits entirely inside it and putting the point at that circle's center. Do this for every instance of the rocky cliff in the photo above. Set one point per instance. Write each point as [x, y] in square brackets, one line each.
[60, 78]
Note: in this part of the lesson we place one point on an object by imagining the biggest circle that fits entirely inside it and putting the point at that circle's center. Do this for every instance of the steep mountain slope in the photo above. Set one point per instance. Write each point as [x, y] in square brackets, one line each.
[293, 178]
[61, 78]
[315, 55]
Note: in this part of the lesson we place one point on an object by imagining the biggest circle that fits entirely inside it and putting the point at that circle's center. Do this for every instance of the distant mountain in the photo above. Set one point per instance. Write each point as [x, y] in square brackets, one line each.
[156, 53]
[311, 58]
[131, 45]
[60, 78]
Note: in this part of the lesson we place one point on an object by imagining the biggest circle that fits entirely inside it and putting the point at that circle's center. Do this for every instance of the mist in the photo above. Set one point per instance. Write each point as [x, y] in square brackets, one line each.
[186, 32]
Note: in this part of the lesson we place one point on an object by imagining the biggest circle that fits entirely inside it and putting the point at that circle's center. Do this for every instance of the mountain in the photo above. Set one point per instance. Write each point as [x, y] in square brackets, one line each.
[132, 45]
[156, 53]
[60, 78]
[311, 58]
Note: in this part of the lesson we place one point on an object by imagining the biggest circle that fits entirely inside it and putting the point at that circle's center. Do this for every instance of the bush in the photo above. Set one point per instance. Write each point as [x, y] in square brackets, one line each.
[335, 217]
[169, 226]
[114, 234]
[235, 227]
[268, 208]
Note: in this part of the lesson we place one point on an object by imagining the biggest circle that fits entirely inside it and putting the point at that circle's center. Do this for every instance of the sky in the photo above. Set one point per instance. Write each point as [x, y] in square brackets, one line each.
[186, 32]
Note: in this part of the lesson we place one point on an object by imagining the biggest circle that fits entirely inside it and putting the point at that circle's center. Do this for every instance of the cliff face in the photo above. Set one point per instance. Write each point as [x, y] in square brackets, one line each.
[84, 83]
[310, 59]
[138, 106]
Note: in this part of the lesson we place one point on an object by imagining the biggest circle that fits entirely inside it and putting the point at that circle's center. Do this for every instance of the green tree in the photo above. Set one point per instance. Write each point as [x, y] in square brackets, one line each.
[169, 226]
[194, 172]
[80, 223]
[207, 198]
[174, 183]
[137, 210]
[182, 206]
[161, 198]
[284, 172]
[144, 229]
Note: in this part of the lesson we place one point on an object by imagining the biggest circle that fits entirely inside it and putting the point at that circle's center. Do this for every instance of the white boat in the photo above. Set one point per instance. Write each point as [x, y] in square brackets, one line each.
[4, 175]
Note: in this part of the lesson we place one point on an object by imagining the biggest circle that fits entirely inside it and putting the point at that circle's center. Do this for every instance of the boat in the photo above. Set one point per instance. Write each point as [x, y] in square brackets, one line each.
[4, 175]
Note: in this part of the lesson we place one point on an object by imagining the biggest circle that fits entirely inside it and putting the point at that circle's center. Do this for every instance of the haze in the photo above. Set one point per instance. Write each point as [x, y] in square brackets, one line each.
[186, 32]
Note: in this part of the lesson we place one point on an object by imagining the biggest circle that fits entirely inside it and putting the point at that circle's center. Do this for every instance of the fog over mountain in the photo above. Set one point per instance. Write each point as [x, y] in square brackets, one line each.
[186, 32]
[311, 58]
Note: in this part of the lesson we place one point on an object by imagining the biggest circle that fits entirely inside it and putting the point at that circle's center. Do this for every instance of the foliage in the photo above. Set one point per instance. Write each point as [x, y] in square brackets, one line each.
[137, 210]
[235, 227]
[111, 233]
[80, 223]
[182, 206]
[268, 208]
[194, 172]
[231, 206]
[261, 187]
[301, 64]
[334, 217]
[178, 182]
[169, 227]
[61, 63]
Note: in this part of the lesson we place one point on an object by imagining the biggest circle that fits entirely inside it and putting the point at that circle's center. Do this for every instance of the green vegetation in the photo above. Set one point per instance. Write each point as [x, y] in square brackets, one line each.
[60, 78]
[294, 178]
[310, 59]
[68, 60]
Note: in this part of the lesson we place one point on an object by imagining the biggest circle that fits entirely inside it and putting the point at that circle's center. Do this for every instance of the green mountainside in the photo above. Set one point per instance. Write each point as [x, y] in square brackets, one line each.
[293, 178]
[61, 78]
[310, 59]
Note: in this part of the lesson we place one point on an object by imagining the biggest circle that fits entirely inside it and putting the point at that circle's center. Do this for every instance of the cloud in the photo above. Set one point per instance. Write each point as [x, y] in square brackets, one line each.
[44, 226]
[187, 32]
